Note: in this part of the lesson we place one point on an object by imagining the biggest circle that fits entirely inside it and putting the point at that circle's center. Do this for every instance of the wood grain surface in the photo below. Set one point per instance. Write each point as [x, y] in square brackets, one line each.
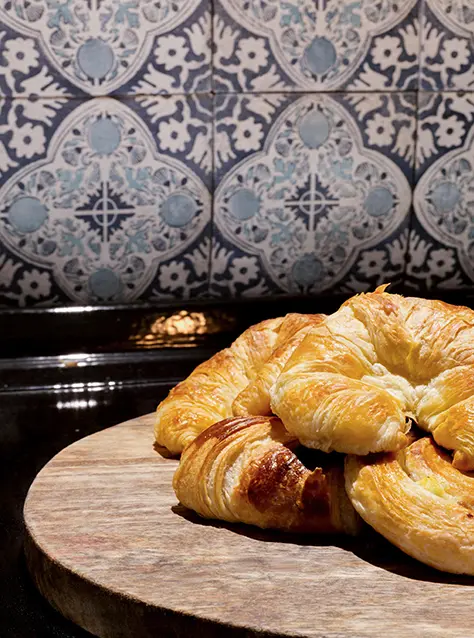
[110, 548]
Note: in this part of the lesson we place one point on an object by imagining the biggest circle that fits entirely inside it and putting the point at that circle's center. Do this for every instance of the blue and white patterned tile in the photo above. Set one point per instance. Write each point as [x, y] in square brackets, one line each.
[322, 45]
[312, 191]
[104, 200]
[441, 251]
[447, 55]
[104, 47]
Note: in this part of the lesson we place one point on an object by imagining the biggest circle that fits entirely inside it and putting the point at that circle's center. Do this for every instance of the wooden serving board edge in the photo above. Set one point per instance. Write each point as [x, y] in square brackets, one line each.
[110, 615]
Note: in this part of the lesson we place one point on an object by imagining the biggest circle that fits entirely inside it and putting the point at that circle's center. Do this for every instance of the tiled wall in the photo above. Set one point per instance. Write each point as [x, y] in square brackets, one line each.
[159, 149]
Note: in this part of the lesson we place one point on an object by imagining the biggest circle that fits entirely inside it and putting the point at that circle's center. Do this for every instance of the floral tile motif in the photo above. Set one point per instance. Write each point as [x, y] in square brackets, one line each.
[441, 253]
[447, 56]
[376, 266]
[104, 47]
[311, 190]
[322, 45]
[104, 200]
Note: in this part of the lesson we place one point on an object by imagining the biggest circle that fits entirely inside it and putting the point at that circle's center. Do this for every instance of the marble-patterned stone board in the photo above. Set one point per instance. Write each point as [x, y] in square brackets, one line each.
[105, 200]
[313, 191]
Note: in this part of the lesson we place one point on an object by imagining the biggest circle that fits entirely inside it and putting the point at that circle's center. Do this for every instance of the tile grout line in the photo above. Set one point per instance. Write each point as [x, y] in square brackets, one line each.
[213, 137]
[421, 15]
[415, 149]
[412, 205]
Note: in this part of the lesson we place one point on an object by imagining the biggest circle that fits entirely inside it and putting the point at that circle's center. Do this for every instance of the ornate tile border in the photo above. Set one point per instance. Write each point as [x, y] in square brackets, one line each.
[105, 200]
[447, 57]
[441, 254]
[322, 45]
[104, 47]
[310, 190]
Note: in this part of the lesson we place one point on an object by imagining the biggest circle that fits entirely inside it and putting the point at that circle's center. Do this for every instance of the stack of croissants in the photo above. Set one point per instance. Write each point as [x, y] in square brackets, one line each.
[313, 423]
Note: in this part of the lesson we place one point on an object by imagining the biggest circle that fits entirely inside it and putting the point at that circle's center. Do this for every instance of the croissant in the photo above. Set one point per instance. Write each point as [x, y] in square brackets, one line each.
[356, 379]
[419, 502]
[207, 395]
[255, 397]
[245, 469]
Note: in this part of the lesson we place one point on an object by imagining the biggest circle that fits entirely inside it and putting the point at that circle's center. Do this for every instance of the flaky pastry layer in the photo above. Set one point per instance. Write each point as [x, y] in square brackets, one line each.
[419, 502]
[244, 470]
[208, 395]
[354, 380]
[255, 397]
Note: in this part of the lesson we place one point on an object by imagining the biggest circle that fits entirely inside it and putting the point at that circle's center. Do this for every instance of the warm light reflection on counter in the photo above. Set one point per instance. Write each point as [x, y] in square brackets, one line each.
[72, 309]
[180, 329]
[74, 360]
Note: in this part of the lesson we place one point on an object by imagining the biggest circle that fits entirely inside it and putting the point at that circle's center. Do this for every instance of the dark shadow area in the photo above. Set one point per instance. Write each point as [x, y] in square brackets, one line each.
[34, 427]
[164, 452]
[369, 546]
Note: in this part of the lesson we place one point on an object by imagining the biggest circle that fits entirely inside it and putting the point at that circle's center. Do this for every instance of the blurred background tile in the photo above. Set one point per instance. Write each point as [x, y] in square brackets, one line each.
[104, 47]
[104, 200]
[447, 56]
[310, 190]
[325, 45]
[441, 251]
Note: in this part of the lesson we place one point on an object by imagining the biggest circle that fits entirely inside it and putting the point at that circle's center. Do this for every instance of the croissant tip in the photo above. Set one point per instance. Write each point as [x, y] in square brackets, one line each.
[404, 440]
[463, 461]
[382, 288]
[378, 291]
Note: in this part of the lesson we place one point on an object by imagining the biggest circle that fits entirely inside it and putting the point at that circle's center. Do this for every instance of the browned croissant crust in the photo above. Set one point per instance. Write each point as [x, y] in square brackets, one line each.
[353, 381]
[419, 502]
[207, 395]
[243, 470]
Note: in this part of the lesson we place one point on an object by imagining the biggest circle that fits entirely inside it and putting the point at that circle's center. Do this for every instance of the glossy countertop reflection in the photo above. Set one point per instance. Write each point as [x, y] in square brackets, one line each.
[68, 372]
[39, 419]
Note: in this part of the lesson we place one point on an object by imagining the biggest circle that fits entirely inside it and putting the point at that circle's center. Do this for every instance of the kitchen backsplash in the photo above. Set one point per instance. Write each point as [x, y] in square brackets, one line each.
[163, 149]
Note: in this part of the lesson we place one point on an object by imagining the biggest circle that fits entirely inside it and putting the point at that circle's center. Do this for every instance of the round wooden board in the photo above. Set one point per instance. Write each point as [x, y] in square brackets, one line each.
[110, 548]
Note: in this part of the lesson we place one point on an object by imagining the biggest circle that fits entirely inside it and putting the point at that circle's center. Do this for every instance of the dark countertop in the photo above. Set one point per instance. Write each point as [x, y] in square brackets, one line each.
[35, 424]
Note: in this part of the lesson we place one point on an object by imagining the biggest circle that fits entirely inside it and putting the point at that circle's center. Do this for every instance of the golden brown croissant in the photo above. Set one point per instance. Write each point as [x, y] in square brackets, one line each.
[354, 380]
[419, 502]
[207, 395]
[255, 398]
[243, 470]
